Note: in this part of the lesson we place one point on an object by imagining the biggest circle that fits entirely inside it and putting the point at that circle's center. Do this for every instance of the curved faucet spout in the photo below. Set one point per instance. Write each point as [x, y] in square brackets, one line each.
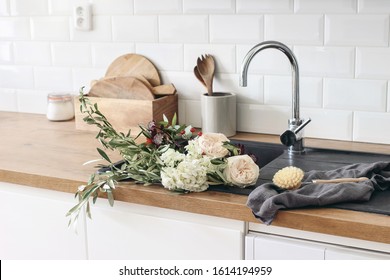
[292, 137]
[294, 68]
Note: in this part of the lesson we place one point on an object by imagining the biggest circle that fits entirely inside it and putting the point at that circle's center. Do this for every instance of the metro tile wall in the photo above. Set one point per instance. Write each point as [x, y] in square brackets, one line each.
[342, 48]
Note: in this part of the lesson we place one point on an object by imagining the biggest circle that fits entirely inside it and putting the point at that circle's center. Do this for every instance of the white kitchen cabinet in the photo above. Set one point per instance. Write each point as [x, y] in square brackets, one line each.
[297, 246]
[131, 231]
[269, 247]
[33, 225]
[345, 253]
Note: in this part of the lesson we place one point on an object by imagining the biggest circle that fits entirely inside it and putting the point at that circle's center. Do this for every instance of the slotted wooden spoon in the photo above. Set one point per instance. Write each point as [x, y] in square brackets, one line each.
[198, 76]
[206, 68]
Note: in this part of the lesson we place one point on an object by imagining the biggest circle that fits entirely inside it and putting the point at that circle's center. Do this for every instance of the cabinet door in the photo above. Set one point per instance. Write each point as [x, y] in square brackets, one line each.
[33, 225]
[267, 247]
[344, 253]
[130, 231]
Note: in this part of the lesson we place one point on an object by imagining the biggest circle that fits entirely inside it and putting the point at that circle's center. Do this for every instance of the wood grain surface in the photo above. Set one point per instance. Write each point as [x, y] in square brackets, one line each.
[38, 153]
[125, 114]
[121, 88]
[134, 65]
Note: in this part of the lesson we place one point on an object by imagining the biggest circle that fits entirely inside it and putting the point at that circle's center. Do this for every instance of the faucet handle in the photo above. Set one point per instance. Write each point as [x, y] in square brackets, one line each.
[289, 137]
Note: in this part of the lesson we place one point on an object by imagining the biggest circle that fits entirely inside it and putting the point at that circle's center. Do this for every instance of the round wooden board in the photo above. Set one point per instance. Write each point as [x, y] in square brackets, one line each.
[134, 65]
[122, 88]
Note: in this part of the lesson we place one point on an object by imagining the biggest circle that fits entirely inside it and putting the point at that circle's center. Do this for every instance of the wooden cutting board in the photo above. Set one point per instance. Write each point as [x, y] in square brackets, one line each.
[160, 90]
[121, 88]
[164, 90]
[134, 65]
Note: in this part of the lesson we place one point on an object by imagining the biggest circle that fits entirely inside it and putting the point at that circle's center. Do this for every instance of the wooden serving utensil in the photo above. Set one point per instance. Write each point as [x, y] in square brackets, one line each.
[206, 68]
[340, 180]
[198, 76]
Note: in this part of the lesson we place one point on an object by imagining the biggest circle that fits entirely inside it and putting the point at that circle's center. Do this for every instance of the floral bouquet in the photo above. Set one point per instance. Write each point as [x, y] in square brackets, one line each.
[173, 155]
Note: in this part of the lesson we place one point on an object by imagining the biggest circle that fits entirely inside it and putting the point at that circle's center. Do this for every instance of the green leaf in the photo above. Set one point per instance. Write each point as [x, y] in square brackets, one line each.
[218, 161]
[174, 120]
[85, 196]
[111, 184]
[103, 154]
[110, 197]
[91, 179]
[88, 210]
[95, 196]
[164, 124]
[75, 208]
[165, 118]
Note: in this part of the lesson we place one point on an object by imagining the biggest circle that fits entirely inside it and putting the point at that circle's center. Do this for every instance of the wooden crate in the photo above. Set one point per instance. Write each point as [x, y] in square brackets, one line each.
[125, 114]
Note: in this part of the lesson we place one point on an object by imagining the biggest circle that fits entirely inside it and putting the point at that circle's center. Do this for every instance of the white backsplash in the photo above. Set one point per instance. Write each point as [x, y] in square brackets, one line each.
[342, 49]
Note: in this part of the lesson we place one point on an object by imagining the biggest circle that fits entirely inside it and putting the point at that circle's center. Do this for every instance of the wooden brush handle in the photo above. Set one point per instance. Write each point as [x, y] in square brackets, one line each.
[341, 180]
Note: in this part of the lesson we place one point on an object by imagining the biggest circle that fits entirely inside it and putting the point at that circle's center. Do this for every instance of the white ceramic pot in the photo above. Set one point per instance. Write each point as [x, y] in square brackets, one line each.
[219, 113]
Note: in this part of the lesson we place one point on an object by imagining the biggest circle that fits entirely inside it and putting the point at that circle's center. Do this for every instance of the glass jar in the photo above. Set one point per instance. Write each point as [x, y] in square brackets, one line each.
[60, 107]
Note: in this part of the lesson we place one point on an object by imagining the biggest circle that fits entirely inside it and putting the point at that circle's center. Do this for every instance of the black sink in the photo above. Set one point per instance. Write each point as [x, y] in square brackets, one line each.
[320, 159]
[273, 157]
[263, 152]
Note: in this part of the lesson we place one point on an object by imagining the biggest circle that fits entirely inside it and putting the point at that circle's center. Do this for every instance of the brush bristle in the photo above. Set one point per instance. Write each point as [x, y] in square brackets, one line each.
[288, 178]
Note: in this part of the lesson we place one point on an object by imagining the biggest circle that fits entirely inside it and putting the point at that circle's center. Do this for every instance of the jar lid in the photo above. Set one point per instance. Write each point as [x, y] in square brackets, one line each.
[59, 97]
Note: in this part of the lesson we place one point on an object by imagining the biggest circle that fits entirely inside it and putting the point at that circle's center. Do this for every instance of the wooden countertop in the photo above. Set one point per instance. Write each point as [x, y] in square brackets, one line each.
[38, 153]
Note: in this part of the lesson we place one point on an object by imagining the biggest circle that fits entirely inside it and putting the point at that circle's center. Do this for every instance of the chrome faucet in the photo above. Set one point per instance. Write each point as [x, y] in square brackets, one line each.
[293, 136]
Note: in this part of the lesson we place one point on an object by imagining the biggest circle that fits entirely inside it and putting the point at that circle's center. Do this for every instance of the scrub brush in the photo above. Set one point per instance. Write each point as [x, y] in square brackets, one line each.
[289, 178]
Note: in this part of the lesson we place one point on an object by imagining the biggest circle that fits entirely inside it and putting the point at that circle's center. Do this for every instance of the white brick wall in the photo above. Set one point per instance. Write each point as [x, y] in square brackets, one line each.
[325, 7]
[357, 30]
[342, 48]
[295, 29]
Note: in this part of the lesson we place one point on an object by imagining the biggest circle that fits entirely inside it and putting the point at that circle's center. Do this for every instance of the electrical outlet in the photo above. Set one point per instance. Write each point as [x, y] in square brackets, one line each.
[82, 17]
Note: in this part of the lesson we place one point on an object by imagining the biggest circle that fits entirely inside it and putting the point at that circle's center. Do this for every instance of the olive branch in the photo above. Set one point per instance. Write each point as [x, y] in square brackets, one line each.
[141, 162]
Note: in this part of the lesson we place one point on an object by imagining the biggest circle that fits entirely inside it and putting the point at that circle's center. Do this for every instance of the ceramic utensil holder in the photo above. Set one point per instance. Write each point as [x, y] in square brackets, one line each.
[219, 113]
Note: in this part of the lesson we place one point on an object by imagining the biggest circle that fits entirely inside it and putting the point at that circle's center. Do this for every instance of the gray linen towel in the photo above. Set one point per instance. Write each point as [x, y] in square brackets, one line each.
[267, 199]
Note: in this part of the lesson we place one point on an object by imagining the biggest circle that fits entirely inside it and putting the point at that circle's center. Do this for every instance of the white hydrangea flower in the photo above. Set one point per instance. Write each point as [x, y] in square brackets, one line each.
[193, 148]
[171, 157]
[189, 171]
[189, 175]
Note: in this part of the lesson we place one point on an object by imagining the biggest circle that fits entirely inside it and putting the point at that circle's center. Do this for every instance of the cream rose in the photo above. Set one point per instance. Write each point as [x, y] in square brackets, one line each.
[211, 144]
[241, 171]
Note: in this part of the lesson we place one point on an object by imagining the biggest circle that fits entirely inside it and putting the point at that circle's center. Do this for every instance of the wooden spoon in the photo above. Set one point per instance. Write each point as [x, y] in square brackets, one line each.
[198, 76]
[206, 68]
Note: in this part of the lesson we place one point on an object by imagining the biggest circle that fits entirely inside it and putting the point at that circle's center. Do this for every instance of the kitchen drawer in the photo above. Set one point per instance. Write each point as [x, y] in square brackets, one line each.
[345, 253]
[269, 247]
